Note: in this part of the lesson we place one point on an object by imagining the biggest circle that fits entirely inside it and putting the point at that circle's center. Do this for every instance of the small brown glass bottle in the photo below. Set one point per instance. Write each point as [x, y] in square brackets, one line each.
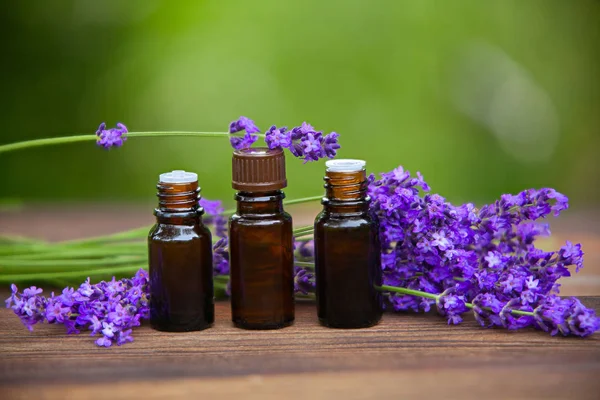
[180, 258]
[347, 250]
[260, 242]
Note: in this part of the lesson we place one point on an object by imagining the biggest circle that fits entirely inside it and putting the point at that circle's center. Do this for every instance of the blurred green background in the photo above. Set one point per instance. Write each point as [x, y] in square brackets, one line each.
[482, 97]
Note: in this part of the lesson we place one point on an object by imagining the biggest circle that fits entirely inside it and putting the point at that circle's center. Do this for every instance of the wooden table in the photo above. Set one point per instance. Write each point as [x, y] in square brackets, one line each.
[406, 356]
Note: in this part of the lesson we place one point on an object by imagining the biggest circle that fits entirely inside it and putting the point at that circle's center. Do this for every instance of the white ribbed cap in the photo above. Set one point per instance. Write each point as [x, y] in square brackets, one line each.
[178, 176]
[345, 165]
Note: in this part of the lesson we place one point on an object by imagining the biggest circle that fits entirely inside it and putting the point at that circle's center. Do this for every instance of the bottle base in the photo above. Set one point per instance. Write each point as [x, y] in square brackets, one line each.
[349, 324]
[239, 323]
[169, 327]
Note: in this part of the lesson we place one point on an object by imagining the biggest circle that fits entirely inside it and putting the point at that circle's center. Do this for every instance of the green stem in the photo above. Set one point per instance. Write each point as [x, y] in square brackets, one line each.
[231, 211]
[300, 237]
[68, 274]
[303, 238]
[97, 252]
[303, 229]
[88, 138]
[5, 264]
[419, 293]
[304, 264]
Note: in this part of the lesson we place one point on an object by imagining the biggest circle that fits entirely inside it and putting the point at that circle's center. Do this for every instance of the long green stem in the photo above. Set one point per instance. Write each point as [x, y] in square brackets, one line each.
[88, 138]
[110, 260]
[419, 293]
[61, 253]
[68, 274]
[285, 202]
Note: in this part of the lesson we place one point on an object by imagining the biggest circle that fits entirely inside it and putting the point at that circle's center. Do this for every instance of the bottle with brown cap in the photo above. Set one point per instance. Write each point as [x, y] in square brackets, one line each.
[261, 243]
[180, 258]
[347, 250]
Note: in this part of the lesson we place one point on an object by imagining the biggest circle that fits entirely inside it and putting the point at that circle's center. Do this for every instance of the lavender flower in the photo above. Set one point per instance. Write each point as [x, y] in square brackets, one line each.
[331, 145]
[303, 142]
[484, 258]
[214, 218]
[114, 137]
[304, 281]
[221, 257]
[109, 308]
[278, 137]
[243, 124]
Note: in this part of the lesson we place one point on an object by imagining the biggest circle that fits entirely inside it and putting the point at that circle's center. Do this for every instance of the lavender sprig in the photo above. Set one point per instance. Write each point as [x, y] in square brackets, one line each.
[567, 316]
[110, 309]
[303, 142]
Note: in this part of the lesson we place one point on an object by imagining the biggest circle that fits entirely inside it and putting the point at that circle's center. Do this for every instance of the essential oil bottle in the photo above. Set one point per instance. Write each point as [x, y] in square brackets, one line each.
[180, 258]
[347, 250]
[260, 242]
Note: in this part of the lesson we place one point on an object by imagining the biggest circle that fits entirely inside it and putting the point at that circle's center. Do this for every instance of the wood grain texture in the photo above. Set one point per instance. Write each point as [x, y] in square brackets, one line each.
[406, 355]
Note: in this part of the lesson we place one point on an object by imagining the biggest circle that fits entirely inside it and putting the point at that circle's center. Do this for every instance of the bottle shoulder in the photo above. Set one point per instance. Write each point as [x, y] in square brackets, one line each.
[171, 232]
[363, 220]
[259, 219]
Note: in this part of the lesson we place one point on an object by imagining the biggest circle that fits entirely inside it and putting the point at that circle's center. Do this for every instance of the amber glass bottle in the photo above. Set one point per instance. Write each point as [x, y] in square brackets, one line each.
[180, 257]
[347, 250]
[260, 242]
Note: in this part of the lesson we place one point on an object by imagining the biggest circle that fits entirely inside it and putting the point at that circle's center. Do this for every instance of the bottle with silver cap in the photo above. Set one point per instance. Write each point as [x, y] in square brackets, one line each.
[180, 258]
[347, 250]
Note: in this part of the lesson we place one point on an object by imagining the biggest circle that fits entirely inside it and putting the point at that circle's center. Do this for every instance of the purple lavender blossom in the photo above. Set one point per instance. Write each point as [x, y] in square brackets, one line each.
[243, 124]
[312, 146]
[114, 137]
[247, 125]
[305, 249]
[331, 145]
[303, 142]
[109, 308]
[278, 137]
[571, 254]
[452, 306]
[211, 207]
[221, 257]
[215, 218]
[304, 281]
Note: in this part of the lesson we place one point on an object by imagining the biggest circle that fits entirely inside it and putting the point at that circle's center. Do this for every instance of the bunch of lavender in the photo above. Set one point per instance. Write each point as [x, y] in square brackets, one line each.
[110, 309]
[461, 258]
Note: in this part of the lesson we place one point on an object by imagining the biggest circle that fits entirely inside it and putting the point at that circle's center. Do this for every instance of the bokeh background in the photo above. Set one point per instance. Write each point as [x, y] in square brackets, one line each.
[481, 97]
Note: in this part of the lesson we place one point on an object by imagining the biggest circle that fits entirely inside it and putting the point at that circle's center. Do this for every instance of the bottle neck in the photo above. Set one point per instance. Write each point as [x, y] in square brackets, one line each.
[260, 203]
[178, 203]
[346, 192]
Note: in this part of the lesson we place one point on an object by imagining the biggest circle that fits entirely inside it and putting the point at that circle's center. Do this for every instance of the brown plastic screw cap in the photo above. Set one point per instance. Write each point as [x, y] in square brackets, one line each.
[258, 170]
